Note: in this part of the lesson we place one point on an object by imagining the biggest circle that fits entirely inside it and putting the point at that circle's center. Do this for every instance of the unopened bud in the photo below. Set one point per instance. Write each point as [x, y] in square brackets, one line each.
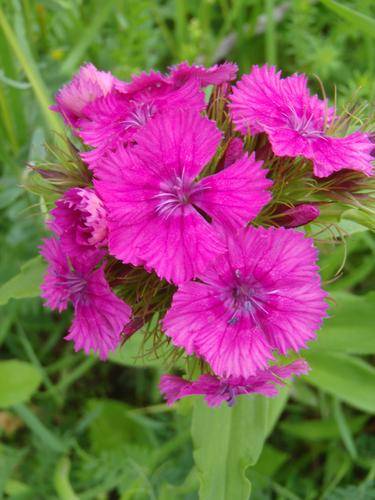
[233, 152]
[299, 215]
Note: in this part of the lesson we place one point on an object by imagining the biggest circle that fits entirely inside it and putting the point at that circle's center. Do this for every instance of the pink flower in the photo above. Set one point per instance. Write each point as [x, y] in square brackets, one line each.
[216, 390]
[85, 87]
[215, 75]
[115, 119]
[99, 315]
[146, 85]
[80, 221]
[296, 122]
[158, 211]
[262, 295]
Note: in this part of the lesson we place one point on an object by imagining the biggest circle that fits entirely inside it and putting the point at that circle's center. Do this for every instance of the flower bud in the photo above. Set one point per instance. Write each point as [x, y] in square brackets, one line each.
[299, 215]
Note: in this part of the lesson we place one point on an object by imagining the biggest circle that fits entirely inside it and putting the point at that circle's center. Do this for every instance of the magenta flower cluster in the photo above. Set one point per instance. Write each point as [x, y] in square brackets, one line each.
[172, 194]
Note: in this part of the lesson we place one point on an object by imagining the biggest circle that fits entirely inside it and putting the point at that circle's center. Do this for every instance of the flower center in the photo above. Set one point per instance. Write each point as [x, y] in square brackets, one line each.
[74, 285]
[246, 299]
[140, 116]
[229, 393]
[304, 124]
[175, 195]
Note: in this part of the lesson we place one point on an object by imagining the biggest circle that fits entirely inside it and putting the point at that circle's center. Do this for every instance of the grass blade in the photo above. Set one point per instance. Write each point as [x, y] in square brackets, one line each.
[38, 428]
[345, 432]
[270, 33]
[361, 21]
[103, 11]
[32, 73]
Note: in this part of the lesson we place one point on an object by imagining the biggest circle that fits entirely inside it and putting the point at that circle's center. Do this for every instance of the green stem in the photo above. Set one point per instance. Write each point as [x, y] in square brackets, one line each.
[61, 480]
[52, 339]
[165, 450]
[76, 374]
[35, 361]
[160, 408]
[63, 363]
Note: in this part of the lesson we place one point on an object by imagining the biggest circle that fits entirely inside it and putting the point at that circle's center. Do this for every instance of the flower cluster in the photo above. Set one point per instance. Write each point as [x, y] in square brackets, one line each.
[187, 212]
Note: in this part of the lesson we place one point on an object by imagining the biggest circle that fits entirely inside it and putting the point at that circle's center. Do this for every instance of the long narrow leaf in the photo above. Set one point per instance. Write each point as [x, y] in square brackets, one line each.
[357, 19]
[347, 377]
[32, 73]
[229, 440]
[49, 439]
[87, 37]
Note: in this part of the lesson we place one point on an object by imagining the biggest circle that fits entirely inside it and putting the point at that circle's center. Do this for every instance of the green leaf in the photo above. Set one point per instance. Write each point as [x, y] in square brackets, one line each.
[140, 352]
[268, 464]
[346, 431]
[349, 378]
[355, 220]
[270, 461]
[364, 491]
[229, 440]
[353, 17]
[350, 327]
[25, 284]
[130, 354]
[18, 382]
[317, 430]
[112, 425]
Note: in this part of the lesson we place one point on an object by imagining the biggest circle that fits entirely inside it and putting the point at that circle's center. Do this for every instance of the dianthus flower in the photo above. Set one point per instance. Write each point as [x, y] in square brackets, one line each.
[85, 87]
[262, 295]
[99, 315]
[216, 390]
[296, 122]
[158, 210]
[115, 119]
[215, 75]
[80, 221]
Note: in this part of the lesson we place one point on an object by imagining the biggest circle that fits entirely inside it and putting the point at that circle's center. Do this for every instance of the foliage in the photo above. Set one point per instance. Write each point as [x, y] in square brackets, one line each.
[97, 430]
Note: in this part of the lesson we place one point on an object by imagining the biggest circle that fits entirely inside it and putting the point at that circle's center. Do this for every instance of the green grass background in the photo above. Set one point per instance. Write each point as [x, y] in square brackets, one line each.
[73, 427]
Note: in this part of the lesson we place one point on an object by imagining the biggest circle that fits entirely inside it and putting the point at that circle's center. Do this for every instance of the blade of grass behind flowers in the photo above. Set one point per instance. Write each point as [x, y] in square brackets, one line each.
[164, 29]
[7, 120]
[361, 21]
[14, 95]
[47, 437]
[181, 25]
[87, 37]
[270, 39]
[23, 54]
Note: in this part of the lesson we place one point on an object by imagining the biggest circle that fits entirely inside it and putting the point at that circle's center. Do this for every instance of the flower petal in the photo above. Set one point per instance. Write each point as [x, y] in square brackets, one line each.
[237, 194]
[331, 154]
[180, 140]
[99, 318]
[215, 75]
[262, 296]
